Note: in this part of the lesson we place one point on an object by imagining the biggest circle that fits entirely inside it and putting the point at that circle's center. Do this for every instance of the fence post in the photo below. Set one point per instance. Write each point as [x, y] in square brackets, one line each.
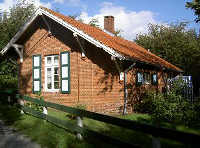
[21, 102]
[9, 100]
[156, 142]
[80, 124]
[45, 112]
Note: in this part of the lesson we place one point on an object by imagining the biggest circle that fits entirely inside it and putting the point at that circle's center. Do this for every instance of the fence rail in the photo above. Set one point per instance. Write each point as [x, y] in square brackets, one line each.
[157, 132]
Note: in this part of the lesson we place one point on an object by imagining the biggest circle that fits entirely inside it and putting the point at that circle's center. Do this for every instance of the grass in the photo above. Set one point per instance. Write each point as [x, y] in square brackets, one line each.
[51, 136]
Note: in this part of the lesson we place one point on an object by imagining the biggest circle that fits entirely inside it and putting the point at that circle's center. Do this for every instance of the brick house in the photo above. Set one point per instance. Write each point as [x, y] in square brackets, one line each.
[72, 63]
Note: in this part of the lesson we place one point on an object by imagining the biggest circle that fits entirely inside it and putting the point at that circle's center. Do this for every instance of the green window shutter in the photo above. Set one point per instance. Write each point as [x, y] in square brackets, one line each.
[36, 73]
[154, 78]
[65, 72]
[139, 78]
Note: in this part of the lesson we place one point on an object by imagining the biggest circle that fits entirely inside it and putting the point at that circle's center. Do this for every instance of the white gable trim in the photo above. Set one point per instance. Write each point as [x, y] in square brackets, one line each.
[20, 32]
[40, 11]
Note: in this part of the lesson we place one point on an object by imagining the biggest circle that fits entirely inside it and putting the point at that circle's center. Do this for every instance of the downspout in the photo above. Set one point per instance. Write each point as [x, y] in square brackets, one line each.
[125, 88]
[78, 69]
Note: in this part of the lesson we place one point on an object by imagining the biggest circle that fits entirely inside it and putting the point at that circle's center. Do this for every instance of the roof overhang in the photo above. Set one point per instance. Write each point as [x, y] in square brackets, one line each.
[80, 33]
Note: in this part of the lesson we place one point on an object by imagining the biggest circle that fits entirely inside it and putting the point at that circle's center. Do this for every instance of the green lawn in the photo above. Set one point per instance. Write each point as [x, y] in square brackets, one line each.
[50, 136]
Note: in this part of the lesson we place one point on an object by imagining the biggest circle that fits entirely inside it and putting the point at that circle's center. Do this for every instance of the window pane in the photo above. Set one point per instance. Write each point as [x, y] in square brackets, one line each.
[48, 71]
[36, 85]
[56, 85]
[36, 61]
[140, 77]
[49, 83]
[56, 70]
[36, 73]
[154, 78]
[147, 78]
[64, 72]
[56, 78]
[56, 60]
[49, 86]
[64, 58]
[48, 60]
[64, 85]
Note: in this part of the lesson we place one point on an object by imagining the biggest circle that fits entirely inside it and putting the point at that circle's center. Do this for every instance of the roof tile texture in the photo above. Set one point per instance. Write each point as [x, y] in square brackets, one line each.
[122, 46]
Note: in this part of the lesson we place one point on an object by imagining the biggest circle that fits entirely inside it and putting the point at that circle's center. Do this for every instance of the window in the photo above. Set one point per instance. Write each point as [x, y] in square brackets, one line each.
[65, 72]
[147, 78]
[139, 78]
[52, 73]
[154, 79]
[36, 73]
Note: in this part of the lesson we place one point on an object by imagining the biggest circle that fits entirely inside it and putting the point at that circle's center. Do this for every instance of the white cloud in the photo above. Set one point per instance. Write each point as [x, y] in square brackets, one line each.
[38, 3]
[130, 22]
[6, 4]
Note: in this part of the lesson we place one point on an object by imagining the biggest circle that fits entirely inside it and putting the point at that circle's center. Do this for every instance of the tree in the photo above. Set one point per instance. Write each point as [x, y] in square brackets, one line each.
[195, 6]
[10, 22]
[118, 32]
[94, 22]
[175, 44]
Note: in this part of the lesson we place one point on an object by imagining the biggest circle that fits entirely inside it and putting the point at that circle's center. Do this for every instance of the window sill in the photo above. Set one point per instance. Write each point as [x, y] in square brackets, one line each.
[147, 83]
[52, 90]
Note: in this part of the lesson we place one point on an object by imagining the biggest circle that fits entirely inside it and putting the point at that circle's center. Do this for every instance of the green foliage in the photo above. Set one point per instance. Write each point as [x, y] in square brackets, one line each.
[10, 22]
[35, 106]
[195, 6]
[118, 32]
[77, 106]
[8, 81]
[80, 106]
[94, 22]
[174, 43]
[172, 107]
[177, 86]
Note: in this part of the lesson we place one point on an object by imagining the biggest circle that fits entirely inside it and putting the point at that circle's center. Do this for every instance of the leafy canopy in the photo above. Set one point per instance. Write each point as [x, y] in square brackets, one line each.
[174, 43]
[195, 6]
[10, 22]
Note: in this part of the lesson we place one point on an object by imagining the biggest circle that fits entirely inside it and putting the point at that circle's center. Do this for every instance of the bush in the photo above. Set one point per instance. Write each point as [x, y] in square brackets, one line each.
[35, 106]
[145, 105]
[7, 81]
[171, 108]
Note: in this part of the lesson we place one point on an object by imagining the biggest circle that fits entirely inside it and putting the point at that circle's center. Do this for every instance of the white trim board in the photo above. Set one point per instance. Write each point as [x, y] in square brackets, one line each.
[40, 11]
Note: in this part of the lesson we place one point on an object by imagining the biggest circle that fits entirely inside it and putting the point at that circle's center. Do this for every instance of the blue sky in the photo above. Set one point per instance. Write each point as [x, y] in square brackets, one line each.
[131, 16]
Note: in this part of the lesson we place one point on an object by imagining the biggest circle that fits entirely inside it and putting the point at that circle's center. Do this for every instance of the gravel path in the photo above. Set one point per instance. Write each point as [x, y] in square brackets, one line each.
[9, 138]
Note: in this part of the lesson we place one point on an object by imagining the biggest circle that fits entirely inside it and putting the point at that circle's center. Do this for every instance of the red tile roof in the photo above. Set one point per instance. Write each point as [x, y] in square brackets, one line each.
[125, 47]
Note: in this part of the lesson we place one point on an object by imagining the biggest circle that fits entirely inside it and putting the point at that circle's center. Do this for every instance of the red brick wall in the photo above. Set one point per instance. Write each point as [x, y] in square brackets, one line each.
[135, 92]
[94, 79]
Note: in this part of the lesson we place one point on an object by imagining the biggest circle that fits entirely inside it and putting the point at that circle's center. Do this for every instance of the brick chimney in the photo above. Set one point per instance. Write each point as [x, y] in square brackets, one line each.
[109, 24]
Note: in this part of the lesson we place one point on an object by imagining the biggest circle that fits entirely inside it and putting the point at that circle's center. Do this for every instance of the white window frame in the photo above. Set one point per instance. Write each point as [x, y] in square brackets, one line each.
[52, 66]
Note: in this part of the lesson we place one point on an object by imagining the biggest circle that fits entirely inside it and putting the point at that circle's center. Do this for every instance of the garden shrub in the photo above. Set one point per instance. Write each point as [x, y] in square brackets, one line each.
[35, 106]
[171, 107]
[7, 81]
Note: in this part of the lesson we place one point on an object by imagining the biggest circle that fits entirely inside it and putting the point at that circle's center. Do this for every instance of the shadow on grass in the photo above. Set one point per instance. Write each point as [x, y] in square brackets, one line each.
[130, 136]
[9, 114]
